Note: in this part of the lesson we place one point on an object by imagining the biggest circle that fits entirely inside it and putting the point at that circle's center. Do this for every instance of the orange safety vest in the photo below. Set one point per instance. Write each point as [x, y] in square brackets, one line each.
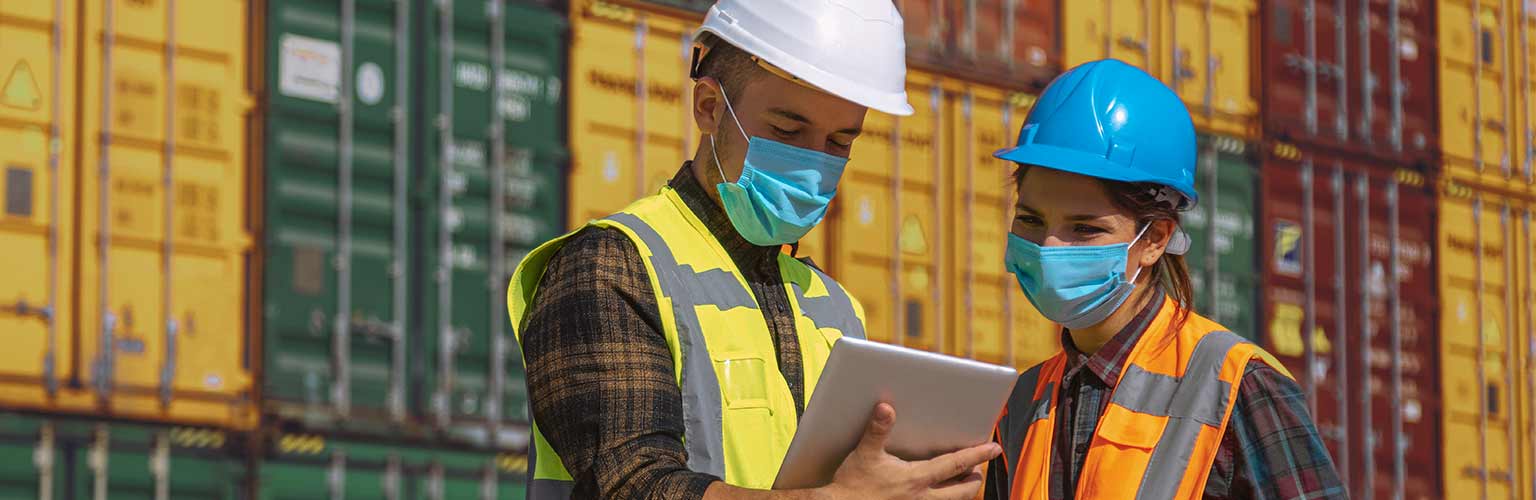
[1158, 437]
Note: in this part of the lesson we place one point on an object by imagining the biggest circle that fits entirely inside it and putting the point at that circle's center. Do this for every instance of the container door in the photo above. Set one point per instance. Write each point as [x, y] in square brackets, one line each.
[1119, 29]
[1480, 299]
[1305, 91]
[164, 197]
[1223, 260]
[892, 204]
[307, 467]
[36, 300]
[494, 176]
[34, 454]
[164, 464]
[631, 127]
[1209, 63]
[336, 240]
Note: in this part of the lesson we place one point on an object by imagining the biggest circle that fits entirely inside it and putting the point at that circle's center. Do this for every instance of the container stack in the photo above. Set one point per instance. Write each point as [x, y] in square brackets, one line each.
[259, 248]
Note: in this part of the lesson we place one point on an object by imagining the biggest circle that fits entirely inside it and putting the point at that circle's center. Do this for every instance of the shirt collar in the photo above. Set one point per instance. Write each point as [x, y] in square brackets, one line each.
[1109, 361]
[693, 193]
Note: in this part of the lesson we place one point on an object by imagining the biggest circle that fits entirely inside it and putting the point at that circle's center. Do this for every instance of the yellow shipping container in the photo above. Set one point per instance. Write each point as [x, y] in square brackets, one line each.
[992, 321]
[1200, 48]
[164, 247]
[1485, 247]
[37, 48]
[1487, 108]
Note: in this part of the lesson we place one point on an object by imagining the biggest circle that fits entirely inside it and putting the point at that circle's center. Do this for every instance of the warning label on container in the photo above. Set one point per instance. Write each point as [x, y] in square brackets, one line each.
[309, 68]
[20, 90]
[197, 113]
[1288, 248]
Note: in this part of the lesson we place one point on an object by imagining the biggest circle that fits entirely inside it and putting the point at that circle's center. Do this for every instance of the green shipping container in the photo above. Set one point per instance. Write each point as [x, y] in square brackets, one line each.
[405, 180]
[492, 187]
[310, 467]
[1223, 262]
[78, 459]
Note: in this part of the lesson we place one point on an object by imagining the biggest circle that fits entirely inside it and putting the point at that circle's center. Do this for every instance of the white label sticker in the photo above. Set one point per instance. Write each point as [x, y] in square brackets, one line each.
[473, 76]
[370, 83]
[309, 68]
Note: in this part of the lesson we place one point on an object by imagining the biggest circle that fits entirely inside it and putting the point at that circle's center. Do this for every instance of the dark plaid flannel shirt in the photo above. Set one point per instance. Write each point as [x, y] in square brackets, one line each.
[600, 375]
[1270, 451]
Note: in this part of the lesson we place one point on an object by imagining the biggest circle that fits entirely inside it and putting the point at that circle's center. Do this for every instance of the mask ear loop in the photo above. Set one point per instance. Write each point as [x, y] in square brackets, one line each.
[1128, 248]
[744, 136]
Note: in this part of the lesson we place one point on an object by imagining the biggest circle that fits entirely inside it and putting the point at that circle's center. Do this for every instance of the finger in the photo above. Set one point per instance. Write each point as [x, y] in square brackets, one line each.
[881, 421]
[961, 488]
[957, 463]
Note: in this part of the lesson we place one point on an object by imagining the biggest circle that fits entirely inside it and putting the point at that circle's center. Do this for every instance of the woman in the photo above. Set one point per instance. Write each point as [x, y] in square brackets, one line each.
[1146, 399]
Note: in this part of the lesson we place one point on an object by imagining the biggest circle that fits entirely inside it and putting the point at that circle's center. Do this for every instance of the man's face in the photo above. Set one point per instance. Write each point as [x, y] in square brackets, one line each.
[775, 109]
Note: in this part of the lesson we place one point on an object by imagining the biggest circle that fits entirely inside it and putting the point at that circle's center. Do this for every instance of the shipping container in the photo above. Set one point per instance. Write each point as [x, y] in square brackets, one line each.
[1223, 262]
[60, 458]
[991, 319]
[37, 110]
[1350, 308]
[490, 187]
[1200, 49]
[1354, 75]
[1485, 57]
[303, 467]
[337, 227]
[1485, 250]
[630, 123]
[1007, 43]
[164, 244]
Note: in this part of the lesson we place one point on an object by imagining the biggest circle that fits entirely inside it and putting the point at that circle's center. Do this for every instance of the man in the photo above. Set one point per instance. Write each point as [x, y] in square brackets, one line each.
[671, 347]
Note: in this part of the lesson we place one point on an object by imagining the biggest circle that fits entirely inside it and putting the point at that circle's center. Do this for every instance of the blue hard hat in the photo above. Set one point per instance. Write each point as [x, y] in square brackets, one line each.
[1110, 120]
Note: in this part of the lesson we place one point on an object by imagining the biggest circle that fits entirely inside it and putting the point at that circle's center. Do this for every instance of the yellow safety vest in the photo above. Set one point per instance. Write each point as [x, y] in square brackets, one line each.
[1163, 425]
[738, 413]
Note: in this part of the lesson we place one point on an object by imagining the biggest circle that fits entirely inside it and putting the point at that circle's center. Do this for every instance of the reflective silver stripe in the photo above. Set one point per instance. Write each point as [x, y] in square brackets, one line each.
[549, 489]
[1171, 457]
[702, 434]
[1023, 411]
[1142, 391]
[832, 311]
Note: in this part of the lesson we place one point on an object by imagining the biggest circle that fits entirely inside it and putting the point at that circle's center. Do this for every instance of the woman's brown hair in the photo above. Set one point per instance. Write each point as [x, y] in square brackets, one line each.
[1171, 273]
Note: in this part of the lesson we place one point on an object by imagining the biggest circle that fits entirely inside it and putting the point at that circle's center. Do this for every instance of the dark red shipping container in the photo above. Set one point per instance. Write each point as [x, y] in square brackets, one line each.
[1332, 224]
[1352, 75]
[1011, 44]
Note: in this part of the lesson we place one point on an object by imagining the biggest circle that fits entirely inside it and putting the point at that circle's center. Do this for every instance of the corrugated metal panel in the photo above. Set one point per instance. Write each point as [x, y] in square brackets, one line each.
[630, 122]
[1199, 48]
[1485, 54]
[1485, 292]
[1335, 233]
[1223, 263]
[163, 256]
[891, 202]
[312, 466]
[49, 458]
[1011, 43]
[1353, 75]
[36, 224]
[492, 180]
[337, 207]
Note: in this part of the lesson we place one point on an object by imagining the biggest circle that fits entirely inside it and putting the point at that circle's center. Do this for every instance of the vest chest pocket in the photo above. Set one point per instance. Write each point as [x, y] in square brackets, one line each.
[1120, 450]
[757, 418]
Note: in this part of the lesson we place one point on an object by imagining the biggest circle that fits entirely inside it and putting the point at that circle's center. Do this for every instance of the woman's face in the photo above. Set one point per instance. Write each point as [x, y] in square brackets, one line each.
[1058, 208]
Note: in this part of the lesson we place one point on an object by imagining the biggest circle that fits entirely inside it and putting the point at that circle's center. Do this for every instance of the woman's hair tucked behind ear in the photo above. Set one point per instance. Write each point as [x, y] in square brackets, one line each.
[1171, 273]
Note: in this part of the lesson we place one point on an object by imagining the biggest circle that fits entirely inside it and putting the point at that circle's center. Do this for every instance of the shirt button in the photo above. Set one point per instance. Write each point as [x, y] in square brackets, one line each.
[1082, 448]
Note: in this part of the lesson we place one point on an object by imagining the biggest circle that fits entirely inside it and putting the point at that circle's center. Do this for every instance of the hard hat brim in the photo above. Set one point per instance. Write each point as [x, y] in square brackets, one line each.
[1081, 163]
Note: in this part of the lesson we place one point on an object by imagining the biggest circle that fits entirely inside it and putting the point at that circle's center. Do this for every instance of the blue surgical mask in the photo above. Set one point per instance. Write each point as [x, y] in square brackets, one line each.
[783, 190]
[1074, 286]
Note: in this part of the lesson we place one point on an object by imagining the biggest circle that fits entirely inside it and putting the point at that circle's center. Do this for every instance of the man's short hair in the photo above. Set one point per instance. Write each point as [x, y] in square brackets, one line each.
[731, 66]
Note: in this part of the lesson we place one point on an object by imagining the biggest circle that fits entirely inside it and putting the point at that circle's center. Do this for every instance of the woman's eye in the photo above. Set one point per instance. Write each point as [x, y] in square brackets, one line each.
[1088, 230]
[1029, 220]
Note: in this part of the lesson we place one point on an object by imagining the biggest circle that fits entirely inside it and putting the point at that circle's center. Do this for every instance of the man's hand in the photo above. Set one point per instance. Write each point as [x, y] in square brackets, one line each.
[871, 473]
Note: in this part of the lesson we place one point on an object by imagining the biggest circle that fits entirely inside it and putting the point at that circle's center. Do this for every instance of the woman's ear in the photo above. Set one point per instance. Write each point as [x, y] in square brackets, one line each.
[707, 104]
[1155, 243]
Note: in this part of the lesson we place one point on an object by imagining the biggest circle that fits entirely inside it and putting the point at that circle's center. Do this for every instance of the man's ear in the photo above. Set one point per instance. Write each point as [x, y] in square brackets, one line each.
[708, 106]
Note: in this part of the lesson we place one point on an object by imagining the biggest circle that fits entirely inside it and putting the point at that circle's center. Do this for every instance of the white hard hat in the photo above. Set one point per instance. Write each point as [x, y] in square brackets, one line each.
[853, 49]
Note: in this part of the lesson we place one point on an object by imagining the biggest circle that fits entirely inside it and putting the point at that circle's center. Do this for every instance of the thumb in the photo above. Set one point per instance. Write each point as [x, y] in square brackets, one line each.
[881, 421]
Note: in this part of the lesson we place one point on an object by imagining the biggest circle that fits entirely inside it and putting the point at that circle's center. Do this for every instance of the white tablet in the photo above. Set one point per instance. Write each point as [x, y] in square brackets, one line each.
[942, 403]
